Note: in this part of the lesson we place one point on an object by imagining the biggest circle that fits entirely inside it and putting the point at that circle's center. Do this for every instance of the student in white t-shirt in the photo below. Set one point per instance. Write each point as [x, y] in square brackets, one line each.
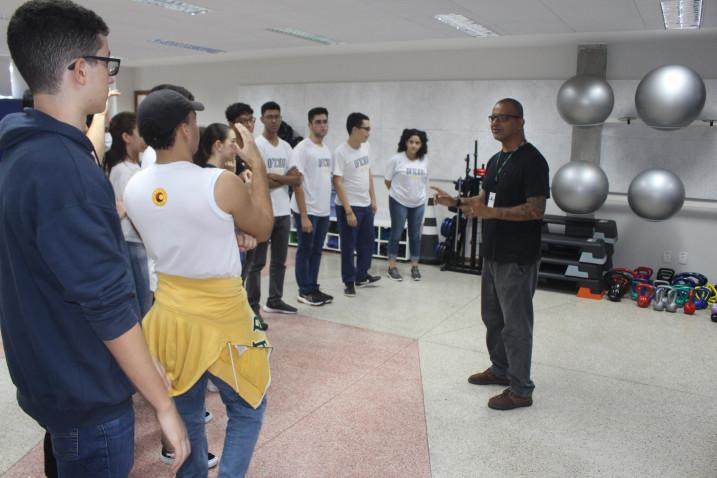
[121, 163]
[311, 206]
[406, 180]
[276, 154]
[355, 204]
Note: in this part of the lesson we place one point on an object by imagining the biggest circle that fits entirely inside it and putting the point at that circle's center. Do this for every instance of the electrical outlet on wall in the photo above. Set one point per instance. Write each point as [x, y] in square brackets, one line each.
[683, 257]
[667, 257]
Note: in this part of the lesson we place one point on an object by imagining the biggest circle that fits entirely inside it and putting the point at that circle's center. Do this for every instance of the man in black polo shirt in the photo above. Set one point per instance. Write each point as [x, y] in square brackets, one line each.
[511, 204]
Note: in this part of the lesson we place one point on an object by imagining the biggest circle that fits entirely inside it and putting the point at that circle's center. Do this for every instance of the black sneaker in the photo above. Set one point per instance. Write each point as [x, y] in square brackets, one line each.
[368, 280]
[279, 307]
[311, 299]
[167, 457]
[327, 298]
[394, 274]
[415, 273]
[350, 290]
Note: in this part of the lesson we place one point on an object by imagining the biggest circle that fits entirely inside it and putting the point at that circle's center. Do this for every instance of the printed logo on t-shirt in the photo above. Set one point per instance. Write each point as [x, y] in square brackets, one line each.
[276, 163]
[324, 162]
[416, 174]
[363, 161]
[159, 197]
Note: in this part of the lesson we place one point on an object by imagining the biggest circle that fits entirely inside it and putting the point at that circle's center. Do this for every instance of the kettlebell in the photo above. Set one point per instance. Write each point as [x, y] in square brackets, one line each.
[644, 295]
[671, 305]
[660, 301]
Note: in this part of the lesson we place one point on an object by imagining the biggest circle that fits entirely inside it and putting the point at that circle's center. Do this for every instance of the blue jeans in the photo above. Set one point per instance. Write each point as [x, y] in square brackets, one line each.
[359, 239]
[140, 272]
[105, 450]
[308, 252]
[399, 214]
[241, 433]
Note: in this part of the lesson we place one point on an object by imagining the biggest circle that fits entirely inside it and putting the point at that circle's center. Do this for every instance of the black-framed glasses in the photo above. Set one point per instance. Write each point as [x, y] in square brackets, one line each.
[502, 118]
[246, 120]
[113, 64]
[365, 128]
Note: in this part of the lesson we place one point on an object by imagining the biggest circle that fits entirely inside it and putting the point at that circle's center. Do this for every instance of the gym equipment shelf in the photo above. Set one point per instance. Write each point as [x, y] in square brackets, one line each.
[381, 229]
[577, 249]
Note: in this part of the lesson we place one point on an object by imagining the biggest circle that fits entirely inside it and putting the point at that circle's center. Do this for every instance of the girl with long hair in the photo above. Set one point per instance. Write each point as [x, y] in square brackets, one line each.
[406, 179]
[121, 163]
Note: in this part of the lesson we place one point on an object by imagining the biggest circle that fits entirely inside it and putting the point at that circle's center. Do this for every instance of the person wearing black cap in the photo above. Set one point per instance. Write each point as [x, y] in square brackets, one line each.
[201, 325]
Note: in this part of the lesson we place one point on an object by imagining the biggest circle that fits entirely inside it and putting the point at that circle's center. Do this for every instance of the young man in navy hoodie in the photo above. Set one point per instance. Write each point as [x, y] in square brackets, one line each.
[71, 335]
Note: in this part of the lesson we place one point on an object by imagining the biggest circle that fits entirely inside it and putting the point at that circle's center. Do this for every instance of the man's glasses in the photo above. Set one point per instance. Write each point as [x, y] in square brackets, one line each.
[365, 128]
[502, 118]
[113, 64]
[246, 120]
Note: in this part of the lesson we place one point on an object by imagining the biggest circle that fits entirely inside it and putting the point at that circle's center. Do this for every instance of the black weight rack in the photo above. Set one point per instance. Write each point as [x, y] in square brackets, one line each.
[577, 250]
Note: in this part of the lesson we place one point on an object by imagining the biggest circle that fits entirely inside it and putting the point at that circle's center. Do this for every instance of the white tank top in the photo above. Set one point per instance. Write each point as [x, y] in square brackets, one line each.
[183, 229]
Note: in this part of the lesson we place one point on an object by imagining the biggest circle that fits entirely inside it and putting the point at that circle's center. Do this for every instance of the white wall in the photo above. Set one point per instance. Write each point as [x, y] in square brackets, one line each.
[640, 243]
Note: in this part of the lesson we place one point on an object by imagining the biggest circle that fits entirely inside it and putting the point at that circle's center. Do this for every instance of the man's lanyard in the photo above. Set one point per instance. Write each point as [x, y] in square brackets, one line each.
[501, 165]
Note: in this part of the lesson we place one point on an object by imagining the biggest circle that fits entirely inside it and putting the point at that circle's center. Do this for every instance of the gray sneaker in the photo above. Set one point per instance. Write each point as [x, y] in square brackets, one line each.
[393, 274]
[415, 273]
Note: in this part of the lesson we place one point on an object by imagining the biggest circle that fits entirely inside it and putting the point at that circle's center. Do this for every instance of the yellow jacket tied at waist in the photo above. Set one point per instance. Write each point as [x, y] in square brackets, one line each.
[199, 325]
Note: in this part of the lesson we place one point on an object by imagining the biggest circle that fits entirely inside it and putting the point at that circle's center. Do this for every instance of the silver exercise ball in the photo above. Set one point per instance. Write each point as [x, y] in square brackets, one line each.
[670, 97]
[656, 194]
[580, 187]
[585, 100]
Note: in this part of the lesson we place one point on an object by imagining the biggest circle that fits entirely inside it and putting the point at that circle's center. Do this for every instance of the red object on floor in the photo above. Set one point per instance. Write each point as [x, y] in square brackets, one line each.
[585, 293]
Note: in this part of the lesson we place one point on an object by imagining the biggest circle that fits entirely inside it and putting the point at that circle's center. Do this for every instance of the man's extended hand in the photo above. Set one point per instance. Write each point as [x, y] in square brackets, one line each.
[474, 207]
[443, 198]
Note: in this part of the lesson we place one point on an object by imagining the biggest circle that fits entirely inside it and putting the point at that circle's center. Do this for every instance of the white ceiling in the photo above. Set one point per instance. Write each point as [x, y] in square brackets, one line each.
[238, 27]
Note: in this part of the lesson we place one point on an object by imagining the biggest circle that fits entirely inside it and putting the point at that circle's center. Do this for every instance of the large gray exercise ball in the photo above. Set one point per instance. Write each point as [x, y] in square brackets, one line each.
[670, 97]
[585, 100]
[656, 194]
[580, 187]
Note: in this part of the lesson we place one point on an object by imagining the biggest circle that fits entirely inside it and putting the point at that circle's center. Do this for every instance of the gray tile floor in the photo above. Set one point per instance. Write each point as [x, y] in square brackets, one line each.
[621, 391]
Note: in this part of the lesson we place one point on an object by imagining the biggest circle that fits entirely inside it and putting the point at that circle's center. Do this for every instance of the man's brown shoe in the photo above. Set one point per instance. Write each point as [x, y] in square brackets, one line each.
[487, 378]
[508, 401]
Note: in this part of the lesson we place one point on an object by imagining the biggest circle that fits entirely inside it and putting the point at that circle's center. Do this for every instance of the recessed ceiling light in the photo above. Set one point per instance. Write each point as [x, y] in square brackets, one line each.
[186, 46]
[324, 40]
[176, 6]
[682, 14]
[465, 25]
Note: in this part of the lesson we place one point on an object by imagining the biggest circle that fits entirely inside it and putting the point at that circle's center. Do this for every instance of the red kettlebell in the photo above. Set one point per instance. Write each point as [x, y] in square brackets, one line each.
[690, 306]
[644, 294]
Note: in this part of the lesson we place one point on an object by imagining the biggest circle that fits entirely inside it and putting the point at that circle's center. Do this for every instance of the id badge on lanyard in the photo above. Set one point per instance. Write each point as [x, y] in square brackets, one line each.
[491, 200]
